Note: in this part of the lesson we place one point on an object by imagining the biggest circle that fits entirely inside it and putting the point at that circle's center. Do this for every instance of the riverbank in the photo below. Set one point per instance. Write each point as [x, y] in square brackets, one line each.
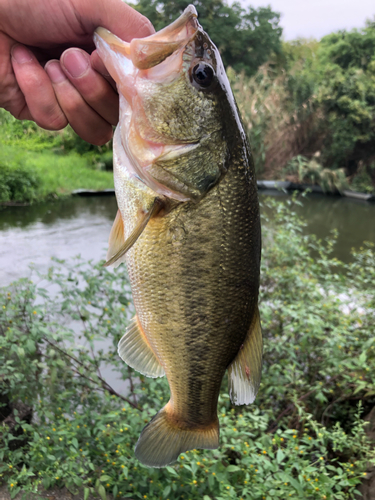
[28, 177]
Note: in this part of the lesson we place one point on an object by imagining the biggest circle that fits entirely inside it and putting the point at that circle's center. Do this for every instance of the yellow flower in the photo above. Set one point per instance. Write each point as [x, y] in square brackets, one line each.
[34, 312]
[182, 457]
[316, 489]
[310, 437]
[214, 473]
[77, 426]
[234, 429]
[296, 447]
[122, 466]
[126, 428]
[124, 409]
[57, 477]
[11, 485]
[245, 482]
[198, 463]
[256, 470]
[194, 482]
[108, 485]
[10, 466]
[228, 487]
[54, 429]
[294, 436]
[365, 473]
[48, 438]
[264, 452]
[286, 484]
[321, 458]
[281, 439]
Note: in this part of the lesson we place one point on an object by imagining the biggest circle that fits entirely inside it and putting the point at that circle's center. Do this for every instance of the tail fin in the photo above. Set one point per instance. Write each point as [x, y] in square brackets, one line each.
[161, 441]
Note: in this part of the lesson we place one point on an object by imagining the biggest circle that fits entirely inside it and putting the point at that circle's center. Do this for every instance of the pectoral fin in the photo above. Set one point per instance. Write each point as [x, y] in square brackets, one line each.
[245, 371]
[117, 243]
[135, 350]
[116, 237]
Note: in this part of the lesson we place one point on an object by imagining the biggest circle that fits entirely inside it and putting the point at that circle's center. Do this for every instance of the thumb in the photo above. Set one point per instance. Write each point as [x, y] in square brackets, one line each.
[117, 17]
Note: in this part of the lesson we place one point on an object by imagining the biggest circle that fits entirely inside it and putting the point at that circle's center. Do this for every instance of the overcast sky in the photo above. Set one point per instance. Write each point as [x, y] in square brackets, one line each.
[316, 18]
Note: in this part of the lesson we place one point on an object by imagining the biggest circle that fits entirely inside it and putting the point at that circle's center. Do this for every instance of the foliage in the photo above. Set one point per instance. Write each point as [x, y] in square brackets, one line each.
[302, 438]
[362, 180]
[27, 176]
[312, 171]
[246, 38]
[18, 183]
[28, 136]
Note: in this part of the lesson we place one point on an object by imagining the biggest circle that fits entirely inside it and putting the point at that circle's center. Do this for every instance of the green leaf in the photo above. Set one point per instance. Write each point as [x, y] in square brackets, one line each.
[105, 478]
[233, 468]
[86, 493]
[101, 491]
[75, 443]
[280, 456]
[166, 491]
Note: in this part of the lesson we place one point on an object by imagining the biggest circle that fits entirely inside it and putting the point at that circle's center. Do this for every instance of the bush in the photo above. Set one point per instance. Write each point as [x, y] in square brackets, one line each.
[303, 438]
[18, 183]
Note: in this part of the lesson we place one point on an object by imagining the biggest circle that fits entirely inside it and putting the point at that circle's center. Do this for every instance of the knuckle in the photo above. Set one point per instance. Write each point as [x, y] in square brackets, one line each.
[51, 118]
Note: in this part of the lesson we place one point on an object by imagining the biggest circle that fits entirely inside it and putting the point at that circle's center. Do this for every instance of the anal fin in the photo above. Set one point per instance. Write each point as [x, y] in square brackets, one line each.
[135, 350]
[244, 373]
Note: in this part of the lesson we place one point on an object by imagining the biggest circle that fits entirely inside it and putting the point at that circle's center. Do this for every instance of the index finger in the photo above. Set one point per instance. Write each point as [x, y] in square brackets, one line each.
[119, 18]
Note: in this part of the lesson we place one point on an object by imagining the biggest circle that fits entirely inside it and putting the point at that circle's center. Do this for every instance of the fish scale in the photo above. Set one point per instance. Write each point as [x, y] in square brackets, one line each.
[188, 228]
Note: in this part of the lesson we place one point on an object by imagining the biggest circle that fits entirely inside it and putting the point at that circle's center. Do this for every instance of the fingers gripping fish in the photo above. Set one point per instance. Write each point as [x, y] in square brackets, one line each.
[188, 229]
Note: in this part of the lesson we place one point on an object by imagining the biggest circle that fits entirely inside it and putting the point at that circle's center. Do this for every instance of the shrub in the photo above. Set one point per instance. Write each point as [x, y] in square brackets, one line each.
[18, 183]
[302, 438]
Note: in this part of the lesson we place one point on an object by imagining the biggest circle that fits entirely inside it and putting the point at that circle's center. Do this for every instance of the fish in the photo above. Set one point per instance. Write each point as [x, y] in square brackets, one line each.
[188, 229]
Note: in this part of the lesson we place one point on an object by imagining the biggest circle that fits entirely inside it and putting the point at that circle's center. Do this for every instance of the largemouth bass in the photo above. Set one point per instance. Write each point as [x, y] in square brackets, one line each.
[188, 228]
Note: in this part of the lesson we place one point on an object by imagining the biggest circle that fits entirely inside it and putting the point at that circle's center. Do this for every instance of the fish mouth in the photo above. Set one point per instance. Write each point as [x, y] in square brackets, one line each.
[157, 58]
[145, 53]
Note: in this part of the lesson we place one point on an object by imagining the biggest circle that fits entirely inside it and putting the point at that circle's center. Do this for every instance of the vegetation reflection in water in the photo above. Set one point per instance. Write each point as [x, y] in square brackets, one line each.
[302, 438]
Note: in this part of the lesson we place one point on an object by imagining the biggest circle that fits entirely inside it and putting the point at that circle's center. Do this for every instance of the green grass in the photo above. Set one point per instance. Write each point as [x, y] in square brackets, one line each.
[56, 175]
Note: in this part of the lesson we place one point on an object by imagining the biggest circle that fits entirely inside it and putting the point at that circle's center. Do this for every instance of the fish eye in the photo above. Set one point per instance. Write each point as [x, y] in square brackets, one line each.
[203, 75]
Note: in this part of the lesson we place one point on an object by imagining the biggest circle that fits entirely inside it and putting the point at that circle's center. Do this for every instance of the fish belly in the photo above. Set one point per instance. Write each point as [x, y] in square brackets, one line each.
[194, 275]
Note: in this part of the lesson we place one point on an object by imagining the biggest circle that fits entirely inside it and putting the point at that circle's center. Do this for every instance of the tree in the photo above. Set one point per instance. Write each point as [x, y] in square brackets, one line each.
[246, 38]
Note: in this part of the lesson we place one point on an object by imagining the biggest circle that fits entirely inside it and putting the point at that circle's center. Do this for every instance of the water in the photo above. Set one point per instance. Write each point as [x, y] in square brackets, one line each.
[77, 225]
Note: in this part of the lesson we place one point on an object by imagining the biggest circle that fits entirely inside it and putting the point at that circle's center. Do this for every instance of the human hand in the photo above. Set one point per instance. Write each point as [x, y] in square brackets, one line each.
[35, 85]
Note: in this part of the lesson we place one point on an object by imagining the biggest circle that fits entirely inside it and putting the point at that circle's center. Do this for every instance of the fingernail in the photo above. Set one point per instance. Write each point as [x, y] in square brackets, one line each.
[21, 55]
[55, 72]
[75, 62]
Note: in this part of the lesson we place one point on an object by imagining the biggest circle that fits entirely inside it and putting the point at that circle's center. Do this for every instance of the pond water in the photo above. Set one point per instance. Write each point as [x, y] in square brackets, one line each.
[81, 225]
[76, 225]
